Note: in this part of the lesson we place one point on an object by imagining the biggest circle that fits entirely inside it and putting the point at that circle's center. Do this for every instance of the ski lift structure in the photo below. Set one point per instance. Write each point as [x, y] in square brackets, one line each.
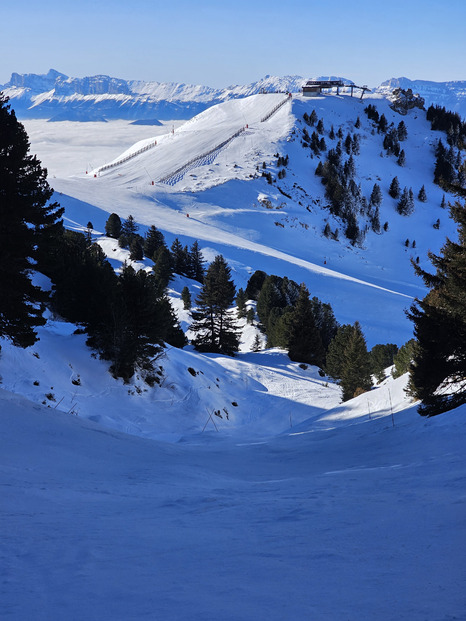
[313, 88]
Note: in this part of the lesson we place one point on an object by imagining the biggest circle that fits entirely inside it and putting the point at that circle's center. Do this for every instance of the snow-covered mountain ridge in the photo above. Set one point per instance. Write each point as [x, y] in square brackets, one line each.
[56, 96]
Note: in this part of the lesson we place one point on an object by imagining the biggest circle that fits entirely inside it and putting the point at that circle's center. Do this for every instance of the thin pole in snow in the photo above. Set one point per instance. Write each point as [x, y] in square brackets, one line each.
[391, 407]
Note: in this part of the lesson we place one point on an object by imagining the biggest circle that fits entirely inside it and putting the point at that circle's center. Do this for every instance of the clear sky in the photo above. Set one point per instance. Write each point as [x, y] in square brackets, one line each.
[222, 42]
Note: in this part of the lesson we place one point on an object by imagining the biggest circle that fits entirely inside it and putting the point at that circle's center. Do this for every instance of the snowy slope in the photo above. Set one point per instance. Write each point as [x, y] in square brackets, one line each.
[226, 201]
[363, 521]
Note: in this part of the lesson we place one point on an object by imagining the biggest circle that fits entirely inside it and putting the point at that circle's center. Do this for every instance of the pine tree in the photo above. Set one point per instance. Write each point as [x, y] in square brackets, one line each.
[403, 358]
[356, 376]
[376, 195]
[405, 206]
[375, 220]
[257, 345]
[269, 297]
[401, 158]
[348, 360]
[438, 372]
[196, 263]
[304, 342]
[382, 124]
[152, 242]
[129, 228]
[254, 285]
[186, 298]
[136, 252]
[422, 196]
[402, 131]
[213, 321]
[113, 226]
[128, 234]
[163, 271]
[241, 303]
[381, 357]
[335, 360]
[394, 189]
[179, 257]
[27, 221]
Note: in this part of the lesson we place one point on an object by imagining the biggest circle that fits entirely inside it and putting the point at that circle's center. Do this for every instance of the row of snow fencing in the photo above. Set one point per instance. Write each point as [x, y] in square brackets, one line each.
[275, 109]
[128, 157]
[200, 160]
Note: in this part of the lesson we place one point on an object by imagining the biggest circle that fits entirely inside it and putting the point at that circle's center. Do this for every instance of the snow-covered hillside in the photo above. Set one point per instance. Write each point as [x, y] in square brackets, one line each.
[341, 518]
[230, 208]
[235, 488]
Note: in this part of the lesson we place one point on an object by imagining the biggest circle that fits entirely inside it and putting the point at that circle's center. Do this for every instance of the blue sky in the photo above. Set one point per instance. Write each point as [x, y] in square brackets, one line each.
[219, 43]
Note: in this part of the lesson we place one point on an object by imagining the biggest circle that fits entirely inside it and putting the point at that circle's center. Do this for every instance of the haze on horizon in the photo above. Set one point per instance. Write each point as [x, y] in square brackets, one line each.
[221, 44]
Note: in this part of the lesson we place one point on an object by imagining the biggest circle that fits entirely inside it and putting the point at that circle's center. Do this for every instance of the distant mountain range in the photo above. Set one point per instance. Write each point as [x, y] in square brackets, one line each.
[57, 97]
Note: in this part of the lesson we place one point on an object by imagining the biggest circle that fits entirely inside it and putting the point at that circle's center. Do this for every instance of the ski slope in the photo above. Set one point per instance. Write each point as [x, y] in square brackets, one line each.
[327, 522]
[194, 139]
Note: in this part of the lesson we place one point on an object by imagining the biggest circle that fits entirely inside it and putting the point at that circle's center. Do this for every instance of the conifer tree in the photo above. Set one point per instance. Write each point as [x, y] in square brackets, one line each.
[241, 303]
[129, 228]
[376, 195]
[113, 226]
[254, 285]
[375, 220]
[196, 262]
[402, 131]
[438, 372]
[214, 325]
[163, 271]
[186, 298]
[136, 252]
[304, 342]
[394, 189]
[403, 358]
[179, 257]
[356, 376]
[335, 360]
[381, 357]
[27, 221]
[422, 196]
[348, 360]
[152, 242]
[405, 206]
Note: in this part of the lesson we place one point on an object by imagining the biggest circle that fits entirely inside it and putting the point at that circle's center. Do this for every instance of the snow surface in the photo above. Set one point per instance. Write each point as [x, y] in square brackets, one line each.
[237, 488]
[338, 518]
